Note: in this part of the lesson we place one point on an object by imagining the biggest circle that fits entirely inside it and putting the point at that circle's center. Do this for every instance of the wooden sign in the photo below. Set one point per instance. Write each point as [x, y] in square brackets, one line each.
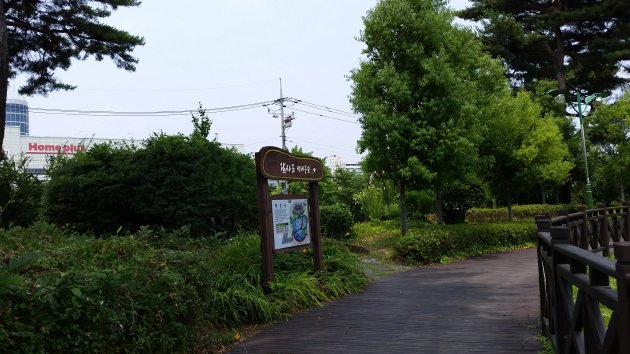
[276, 163]
[280, 231]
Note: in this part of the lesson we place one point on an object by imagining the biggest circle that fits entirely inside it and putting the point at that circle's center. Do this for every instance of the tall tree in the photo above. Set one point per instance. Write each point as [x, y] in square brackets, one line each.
[610, 133]
[523, 149]
[38, 37]
[579, 43]
[421, 91]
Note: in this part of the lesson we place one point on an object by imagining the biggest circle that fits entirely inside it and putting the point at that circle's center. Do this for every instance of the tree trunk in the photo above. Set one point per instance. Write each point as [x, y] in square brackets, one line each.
[623, 193]
[439, 214]
[403, 209]
[544, 197]
[509, 207]
[4, 75]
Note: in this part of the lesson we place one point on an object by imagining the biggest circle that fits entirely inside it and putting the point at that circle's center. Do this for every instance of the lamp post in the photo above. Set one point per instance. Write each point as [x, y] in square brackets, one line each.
[588, 99]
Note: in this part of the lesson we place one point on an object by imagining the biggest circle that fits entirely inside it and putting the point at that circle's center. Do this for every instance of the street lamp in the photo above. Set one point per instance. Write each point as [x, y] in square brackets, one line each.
[588, 99]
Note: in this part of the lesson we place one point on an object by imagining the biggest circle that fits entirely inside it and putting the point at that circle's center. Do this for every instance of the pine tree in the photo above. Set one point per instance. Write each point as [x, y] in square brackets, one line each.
[39, 36]
[579, 43]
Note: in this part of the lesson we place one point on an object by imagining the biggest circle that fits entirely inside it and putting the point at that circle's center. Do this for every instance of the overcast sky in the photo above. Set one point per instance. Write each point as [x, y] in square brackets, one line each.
[223, 53]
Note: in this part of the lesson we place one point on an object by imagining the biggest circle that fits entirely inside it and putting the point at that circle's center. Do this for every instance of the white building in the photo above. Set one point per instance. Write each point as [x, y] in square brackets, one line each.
[38, 150]
[334, 162]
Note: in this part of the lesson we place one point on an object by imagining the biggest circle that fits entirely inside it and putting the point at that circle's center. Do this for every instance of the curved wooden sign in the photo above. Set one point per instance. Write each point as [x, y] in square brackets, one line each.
[276, 163]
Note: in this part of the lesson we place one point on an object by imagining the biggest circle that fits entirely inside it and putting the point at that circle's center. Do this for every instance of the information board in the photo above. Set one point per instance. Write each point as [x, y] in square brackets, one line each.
[290, 223]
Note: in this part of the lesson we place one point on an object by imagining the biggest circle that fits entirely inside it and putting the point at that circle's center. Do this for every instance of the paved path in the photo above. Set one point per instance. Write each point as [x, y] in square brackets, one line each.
[486, 304]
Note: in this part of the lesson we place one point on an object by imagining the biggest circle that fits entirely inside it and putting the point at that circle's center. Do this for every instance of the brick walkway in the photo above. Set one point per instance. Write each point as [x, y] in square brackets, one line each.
[486, 304]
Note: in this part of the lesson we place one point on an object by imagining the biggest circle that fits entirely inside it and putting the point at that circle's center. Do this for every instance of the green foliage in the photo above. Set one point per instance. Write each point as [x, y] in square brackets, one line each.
[579, 43]
[521, 212]
[20, 194]
[43, 37]
[336, 221]
[436, 243]
[170, 182]
[458, 197]
[347, 184]
[373, 204]
[608, 128]
[122, 292]
[522, 150]
[421, 91]
[149, 292]
[420, 203]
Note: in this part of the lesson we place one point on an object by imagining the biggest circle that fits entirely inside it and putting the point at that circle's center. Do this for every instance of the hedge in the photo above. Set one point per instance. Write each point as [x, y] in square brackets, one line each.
[436, 243]
[519, 212]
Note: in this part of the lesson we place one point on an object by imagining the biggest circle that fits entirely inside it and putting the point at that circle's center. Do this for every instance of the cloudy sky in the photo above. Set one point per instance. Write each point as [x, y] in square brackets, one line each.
[222, 54]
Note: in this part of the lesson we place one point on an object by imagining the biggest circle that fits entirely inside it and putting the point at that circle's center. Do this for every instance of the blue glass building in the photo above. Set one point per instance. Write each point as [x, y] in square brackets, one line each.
[17, 115]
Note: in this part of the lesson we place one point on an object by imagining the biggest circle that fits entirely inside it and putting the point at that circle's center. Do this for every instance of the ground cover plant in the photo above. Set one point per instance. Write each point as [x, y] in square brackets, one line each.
[429, 243]
[153, 291]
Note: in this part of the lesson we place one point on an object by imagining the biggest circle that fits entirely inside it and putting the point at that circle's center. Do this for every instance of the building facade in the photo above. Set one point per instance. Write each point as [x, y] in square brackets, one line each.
[17, 115]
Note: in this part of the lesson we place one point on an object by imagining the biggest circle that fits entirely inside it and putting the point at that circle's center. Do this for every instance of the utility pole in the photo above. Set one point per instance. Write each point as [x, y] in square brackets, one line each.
[282, 123]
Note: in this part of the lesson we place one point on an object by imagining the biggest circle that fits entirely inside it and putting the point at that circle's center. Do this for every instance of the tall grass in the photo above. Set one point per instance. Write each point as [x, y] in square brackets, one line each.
[149, 292]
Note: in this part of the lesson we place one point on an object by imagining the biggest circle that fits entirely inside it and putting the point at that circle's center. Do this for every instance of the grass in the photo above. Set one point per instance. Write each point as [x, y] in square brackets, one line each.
[152, 291]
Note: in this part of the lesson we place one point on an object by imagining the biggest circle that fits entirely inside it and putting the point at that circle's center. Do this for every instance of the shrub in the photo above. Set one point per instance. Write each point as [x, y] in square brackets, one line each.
[148, 293]
[170, 182]
[419, 204]
[434, 243]
[107, 295]
[520, 212]
[458, 197]
[336, 221]
[20, 194]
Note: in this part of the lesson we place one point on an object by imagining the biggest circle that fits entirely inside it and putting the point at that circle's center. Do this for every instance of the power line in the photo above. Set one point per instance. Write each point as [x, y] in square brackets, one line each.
[325, 108]
[325, 116]
[327, 147]
[145, 113]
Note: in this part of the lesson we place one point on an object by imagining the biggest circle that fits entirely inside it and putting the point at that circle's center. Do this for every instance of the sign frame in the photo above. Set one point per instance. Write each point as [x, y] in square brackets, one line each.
[270, 161]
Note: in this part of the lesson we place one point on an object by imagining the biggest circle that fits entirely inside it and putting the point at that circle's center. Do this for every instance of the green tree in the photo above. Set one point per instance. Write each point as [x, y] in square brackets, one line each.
[609, 130]
[522, 149]
[579, 44]
[421, 91]
[38, 37]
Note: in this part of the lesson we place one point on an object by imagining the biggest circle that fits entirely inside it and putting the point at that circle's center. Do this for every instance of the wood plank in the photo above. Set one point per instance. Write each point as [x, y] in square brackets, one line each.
[484, 304]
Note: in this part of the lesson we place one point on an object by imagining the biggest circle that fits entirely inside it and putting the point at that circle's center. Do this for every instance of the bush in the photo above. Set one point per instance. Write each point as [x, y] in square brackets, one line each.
[336, 221]
[520, 212]
[78, 294]
[434, 243]
[20, 194]
[170, 182]
[458, 197]
[151, 292]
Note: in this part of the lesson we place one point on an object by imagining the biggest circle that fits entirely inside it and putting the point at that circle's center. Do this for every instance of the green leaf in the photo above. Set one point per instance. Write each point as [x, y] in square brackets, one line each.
[76, 292]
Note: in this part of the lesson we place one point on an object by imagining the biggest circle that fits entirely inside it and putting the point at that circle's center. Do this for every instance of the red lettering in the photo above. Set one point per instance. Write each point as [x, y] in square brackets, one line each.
[32, 146]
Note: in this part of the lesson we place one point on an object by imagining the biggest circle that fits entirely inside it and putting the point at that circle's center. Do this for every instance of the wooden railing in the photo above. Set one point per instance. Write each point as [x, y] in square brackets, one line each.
[575, 273]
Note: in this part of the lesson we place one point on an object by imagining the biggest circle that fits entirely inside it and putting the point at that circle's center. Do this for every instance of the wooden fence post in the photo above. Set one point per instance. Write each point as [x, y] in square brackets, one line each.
[543, 224]
[626, 221]
[559, 235]
[622, 254]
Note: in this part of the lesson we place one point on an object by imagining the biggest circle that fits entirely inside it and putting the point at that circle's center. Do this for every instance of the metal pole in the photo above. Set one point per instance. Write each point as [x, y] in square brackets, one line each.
[588, 189]
[283, 184]
[284, 137]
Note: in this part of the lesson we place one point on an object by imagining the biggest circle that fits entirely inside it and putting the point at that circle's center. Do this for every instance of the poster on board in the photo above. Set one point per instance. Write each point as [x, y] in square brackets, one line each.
[290, 223]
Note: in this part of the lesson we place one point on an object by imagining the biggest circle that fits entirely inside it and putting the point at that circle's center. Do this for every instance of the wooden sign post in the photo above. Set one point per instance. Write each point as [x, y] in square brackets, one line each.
[283, 218]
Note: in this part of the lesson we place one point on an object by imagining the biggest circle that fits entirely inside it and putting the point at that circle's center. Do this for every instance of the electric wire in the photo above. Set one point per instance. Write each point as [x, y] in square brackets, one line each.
[325, 116]
[145, 113]
[324, 108]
